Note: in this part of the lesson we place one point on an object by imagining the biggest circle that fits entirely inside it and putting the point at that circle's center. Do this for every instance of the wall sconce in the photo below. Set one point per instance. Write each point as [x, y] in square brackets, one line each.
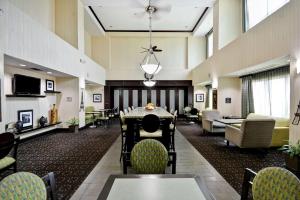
[296, 119]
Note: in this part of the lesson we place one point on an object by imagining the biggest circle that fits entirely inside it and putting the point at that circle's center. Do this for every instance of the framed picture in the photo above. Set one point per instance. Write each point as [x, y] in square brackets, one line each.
[97, 98]
[26, 116]
[49, 85]
[228, 100]
[199, 97]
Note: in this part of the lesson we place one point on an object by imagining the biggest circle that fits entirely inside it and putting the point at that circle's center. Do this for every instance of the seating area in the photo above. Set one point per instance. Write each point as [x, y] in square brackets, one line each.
[156, 99]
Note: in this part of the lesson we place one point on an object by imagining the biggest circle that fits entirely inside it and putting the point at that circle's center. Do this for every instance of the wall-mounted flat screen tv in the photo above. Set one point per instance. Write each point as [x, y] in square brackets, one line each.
[26, 85]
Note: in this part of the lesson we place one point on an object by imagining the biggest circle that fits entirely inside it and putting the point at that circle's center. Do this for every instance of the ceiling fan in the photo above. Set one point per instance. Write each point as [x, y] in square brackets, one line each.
[153, 6]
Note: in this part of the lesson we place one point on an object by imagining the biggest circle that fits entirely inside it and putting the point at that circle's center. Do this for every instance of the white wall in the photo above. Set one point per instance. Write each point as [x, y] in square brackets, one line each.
[89, 91]
[229, 88]
[42, 11]
[40, 106]
[276, 36]
[88, 44]
[120, 54]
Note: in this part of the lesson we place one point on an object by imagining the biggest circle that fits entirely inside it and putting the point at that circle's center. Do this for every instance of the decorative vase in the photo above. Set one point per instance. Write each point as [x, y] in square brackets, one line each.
[53, 115]
[42, 121]
[19, 126]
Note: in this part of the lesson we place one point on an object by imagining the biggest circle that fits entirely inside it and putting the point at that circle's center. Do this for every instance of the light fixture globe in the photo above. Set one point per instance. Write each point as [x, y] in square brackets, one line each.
[150, 64]
[149, 83]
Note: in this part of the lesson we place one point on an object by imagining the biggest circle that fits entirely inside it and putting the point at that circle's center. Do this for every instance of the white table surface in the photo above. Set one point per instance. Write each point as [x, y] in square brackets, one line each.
[140, 112]
[155, 189]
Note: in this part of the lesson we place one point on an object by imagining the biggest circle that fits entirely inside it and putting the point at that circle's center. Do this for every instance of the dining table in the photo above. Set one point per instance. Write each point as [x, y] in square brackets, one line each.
[155, 187]
[133, 121]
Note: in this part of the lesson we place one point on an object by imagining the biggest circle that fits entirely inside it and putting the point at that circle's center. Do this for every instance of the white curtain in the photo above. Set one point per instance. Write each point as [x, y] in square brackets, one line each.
[271, 93]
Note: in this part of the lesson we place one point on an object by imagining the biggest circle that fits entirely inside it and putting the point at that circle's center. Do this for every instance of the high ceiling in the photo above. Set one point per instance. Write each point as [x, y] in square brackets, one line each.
[130, 15]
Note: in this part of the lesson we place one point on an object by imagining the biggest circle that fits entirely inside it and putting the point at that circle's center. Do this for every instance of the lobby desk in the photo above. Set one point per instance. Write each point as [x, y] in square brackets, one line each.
[133, 122]
[155, 187]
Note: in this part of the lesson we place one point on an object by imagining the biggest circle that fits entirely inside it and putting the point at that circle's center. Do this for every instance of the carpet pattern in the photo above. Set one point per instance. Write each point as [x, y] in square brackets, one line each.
[231, 161]
[71, 156]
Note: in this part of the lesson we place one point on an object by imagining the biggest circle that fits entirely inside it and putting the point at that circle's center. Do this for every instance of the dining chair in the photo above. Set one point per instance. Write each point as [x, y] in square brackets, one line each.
[172, 111]
[270, 183]
[25, 185]
[172, 131]
[149, 156]
[8, 142]
[165, 107]
[123, 134]
[89, 118]
[132, 107]
[150, 127]
[129, 109]
[125, 111]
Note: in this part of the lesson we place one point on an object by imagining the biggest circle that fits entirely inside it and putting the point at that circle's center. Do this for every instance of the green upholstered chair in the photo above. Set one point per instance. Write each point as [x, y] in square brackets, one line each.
[149, 157]
[8, 142]
[271, 183]
[25, 185]
[89, 117]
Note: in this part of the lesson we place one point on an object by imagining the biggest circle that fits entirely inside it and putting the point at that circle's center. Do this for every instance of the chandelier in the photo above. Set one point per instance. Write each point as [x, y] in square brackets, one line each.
[150, 64]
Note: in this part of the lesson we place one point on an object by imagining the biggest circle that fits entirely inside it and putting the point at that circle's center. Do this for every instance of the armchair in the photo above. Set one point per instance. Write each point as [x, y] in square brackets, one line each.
[8, 142]
[209, 124]
[254, 133]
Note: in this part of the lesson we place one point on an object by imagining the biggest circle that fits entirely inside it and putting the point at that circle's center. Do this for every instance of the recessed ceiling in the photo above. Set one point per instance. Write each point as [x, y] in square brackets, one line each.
[130, 15]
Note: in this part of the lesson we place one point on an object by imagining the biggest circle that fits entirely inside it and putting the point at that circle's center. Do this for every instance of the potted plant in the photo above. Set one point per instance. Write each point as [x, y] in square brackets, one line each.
[292, 156]
[73, 125]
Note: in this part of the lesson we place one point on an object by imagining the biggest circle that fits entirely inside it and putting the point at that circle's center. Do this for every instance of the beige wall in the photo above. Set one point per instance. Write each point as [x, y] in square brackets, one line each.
[66, 21]
[230, 21]
[120, 54]
[229, 88]
[42, 11]
[89, 91]
[274, 37]
[68, 103]
[200, 90]
[87, 44]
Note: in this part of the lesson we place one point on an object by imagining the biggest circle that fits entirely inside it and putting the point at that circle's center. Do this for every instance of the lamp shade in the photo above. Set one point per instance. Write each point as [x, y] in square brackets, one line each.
[151, 68]
[149, 83]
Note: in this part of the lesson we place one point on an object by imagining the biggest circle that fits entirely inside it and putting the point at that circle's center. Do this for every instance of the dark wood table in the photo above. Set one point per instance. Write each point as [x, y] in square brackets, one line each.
[155, 187]
[133, 120]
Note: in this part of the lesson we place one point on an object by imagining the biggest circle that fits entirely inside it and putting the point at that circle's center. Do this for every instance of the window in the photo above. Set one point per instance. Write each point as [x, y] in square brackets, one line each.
[209, 43]
[257, 10]
[271, 92]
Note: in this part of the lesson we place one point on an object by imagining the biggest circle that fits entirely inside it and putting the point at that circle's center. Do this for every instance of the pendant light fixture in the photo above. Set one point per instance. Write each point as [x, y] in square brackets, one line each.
[150, 63]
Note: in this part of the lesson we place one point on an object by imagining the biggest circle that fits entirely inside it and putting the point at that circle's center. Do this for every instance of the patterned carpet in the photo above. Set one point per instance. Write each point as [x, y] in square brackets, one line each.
[231, 161]
[71, 156]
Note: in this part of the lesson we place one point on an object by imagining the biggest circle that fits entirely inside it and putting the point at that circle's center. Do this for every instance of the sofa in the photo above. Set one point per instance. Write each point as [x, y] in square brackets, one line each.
[209, 124]
[280, 134]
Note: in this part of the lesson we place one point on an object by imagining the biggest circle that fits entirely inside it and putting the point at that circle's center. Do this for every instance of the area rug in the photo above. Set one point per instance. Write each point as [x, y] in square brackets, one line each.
[231, 161]
[71, 156]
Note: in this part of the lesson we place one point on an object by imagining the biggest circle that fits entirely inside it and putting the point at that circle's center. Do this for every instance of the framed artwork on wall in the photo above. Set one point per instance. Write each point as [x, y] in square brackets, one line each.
[26, 116]
[97, 98]
[49, 85]
[228, 100]
[199, 97]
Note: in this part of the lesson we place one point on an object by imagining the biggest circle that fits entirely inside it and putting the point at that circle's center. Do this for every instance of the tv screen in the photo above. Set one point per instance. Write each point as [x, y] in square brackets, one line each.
[26, 85]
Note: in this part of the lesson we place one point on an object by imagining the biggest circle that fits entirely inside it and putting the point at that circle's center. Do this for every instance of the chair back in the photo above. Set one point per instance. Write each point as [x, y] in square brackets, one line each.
[122, 119]
[149, 156]
[210, 115]
[132, 107]
[187, 109]
[275, 183]
[23, 185]
[7, 141]
[194, 111]
[151, 123]
[89, 109]
[172, 110]
[129, 109]
[257, 132]
[125, 111]
[49, 180]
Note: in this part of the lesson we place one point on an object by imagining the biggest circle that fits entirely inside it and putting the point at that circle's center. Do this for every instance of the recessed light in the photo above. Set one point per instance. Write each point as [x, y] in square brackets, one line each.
[186, 26]
[110, 26]
[22, 65]
[196, 7]
[49, 72]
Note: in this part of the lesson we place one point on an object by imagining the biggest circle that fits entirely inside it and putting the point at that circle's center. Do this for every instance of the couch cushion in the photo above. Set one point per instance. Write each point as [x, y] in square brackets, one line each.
[218, 125]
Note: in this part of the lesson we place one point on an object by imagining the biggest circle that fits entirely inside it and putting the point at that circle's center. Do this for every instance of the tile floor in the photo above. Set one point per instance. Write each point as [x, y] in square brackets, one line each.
[189, 161]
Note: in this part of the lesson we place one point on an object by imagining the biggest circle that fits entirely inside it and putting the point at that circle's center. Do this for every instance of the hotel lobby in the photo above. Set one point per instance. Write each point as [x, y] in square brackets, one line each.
[150, 99]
